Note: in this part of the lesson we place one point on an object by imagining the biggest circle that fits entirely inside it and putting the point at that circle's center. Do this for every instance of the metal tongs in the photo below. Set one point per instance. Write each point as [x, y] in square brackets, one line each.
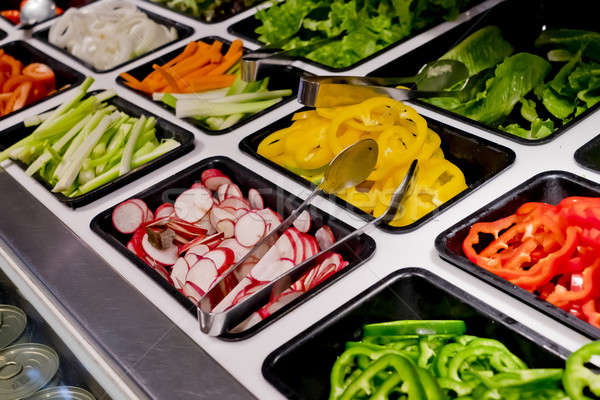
[217, 323]
[273, 54]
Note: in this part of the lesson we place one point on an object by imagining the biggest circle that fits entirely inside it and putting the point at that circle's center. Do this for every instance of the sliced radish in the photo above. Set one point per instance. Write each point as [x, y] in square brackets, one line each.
[164, 210]
[296, 237]
[222, 257]
[227, 227]
[255, 199]
[222, 191]
[235, 202]
[199, 249]
[275, 269]
[272, 219]
[217, 214]
[148, 215]
[166, 256]
[202, 274]
[205, 223]
[179, 272]
[233, 190]
[283, 300]
[191, 259]
[197, 185]
[239, 251]
[325, 237]
[130, 247]
[286, 247]
[302, 223]
[192, 292]
[127, 217]
[193, 204]
[249, 229]
[213, 182]
[243, 270]
[136, 242]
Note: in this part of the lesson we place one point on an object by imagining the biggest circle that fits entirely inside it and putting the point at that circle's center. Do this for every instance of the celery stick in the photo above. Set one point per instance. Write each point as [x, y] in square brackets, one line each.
[125, 165]
[208, 95]
[113, 173]
[150, 123]
[105, 95]
[101, 147]
[37, 119]
[85, 176]
[83, 89]
[231, 120]
[70, 173]
[57, 146]
[148, 147]
[116, 144]
[169, 100]
[247, 97]
[216, 123]
[146, 136]
[191, 108]
[238, 87]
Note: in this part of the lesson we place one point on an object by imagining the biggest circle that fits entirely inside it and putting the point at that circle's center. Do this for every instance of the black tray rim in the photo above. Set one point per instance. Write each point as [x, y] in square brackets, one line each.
[594, 142]
[33, 50]
[186, 146]
[233, 31]
[184, 302]
[3, 34]
[185, 30]
[214, 22]
[504, 285]
[121, 82]
[245, 147]
[489, 311]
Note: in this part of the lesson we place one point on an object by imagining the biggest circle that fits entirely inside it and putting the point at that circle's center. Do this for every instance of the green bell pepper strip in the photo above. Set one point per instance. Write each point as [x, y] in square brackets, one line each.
[405, 373]
[430, 385]
[463, 388]
[429, 347]
[534, 378]
[408, 349]
[444, 357]
[577, 376]
[416, 327]
[498, 358]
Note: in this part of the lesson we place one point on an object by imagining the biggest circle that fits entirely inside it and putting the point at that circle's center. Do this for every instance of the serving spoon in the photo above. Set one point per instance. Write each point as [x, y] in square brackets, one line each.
[35, 11]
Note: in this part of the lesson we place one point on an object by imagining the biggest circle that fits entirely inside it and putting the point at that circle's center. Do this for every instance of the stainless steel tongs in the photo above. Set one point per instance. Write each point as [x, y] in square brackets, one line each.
[215, 323]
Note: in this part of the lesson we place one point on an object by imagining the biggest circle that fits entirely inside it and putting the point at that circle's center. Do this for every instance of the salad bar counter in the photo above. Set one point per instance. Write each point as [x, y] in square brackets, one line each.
[194, 207]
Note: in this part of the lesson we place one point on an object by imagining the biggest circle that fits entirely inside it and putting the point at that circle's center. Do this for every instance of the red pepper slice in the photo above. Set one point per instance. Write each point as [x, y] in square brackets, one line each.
[13, 16]
[590, 288]
[493, 228]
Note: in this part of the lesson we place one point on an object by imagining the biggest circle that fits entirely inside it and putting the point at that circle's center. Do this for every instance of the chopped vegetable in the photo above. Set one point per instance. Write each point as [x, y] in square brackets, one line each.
[549, 95]
[81, 145]
[22, 85]
[315, 137]
[108, 34]
[213, 226]
[204, 84]
[552, 251]
[208, 10]
[370, 26]
[444, 366]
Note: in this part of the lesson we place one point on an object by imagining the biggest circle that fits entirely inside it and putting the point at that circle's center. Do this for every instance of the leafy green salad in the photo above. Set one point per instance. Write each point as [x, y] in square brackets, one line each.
[528, 95]
[370, 25]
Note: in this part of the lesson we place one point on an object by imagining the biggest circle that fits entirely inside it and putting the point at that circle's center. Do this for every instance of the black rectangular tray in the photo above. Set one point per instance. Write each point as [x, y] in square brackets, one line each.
[164, 130]
[183, 31]
[520, 29]
[214, 21]
[64, 4]
[27, 54]
[549, 187]
[3, 34]
[588, 155]
[479, 159]
[356, 252]
[245, 29]
[281, 77]
[411, 293]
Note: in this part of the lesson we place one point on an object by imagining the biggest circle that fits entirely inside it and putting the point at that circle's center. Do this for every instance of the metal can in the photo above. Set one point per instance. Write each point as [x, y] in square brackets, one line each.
[13, 321]
[25, 369]
[62, 393]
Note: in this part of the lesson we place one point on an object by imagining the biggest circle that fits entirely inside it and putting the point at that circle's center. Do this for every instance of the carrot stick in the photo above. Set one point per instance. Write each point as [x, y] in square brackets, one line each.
[189, 51]
[236, 46]
[168, 77]
[227, 63]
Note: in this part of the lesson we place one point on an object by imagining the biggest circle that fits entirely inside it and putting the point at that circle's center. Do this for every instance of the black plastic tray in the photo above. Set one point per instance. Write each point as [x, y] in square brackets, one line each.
[183, 31]
[588, 155]
[2, 34]
[245, 29]
[520, 29]
[15, 4]
[479, 159]
[411, 293]
[164, 130]
[357, 251]
[549, 187]
[26, 53]
[281, 77]
[214, 21]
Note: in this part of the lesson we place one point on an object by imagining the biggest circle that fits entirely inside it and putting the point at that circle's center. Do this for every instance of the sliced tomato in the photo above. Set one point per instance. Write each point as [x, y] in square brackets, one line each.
[21, 95]
[41, 74]
[13, 16]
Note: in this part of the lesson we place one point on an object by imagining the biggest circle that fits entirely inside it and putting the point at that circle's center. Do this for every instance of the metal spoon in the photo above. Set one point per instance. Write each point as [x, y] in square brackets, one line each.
[273, 54]
[349, 168]
[217, 323]
[35, 11]
[333, 91]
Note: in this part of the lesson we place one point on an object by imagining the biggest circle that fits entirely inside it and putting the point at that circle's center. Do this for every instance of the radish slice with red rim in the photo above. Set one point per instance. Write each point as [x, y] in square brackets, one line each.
[233, 190]
[222, 257]
[325, 237]
[222, 192]
[235, 202]
[302, 223]
[213, 178]
[255, 199]
[239, 251]
[227, 227]
[164, 210]
[199, 249]
[179, 272]
[127, 217]
[166, 256]
[202, 274]
[193, 204]
[249, 229]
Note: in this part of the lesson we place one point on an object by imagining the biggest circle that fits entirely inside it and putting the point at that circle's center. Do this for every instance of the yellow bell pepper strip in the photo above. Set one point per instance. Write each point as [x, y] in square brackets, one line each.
[316, 136]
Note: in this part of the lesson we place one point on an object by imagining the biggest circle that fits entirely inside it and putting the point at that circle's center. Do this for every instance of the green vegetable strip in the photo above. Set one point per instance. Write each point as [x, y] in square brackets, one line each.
[125, 165]
[191, 108]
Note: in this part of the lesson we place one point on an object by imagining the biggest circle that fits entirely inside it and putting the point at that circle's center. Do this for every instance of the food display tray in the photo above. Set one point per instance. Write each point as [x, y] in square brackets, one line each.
[164, 130]
[520, 29]
[245, 29]
[356, 251]
[479, 159]
[183, 31]
[26, 53]
[411, 293]
[588, 155]
[548, 187]
[281, 77]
